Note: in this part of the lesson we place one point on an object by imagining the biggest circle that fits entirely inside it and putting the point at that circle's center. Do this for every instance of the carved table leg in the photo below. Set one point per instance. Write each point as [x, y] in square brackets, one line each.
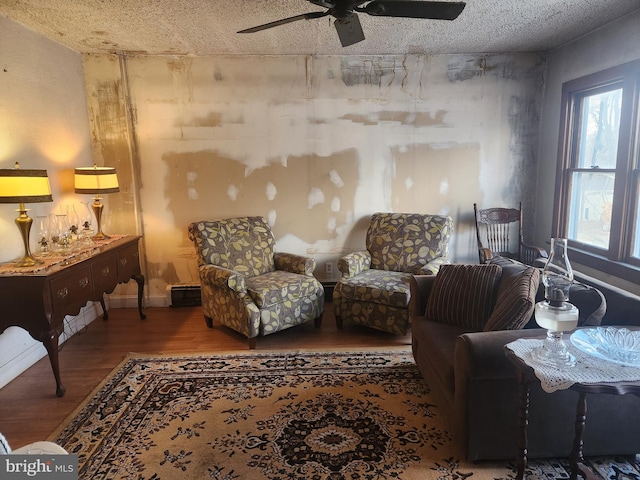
[576, 459]
[50, 341]
[105, 314]
[523, 398]
[139, 278]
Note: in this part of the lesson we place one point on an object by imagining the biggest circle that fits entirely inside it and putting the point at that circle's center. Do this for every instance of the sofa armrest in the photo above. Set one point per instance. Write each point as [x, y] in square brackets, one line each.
[217, 276]
[419, 289]
[354, 263]
[480, 355]
[290, 262]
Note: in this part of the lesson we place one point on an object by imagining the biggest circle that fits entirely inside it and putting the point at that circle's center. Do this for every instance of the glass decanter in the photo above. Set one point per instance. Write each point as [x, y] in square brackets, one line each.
[74, 222]
[43, 233]
[555, 313]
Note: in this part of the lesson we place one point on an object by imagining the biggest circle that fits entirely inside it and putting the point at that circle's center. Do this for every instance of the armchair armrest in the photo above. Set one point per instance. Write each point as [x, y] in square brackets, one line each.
[222, 277]
[485, 254]
[529, 253]
[290, 262]
[354, 263]
[433, 266]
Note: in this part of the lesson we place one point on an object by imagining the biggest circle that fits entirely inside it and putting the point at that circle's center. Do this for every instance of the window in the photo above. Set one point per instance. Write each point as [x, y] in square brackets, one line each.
[598, 190]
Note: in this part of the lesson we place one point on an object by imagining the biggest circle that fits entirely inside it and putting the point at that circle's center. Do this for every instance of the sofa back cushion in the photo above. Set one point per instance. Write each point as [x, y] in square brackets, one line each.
[590, 301]
[406, 242]
[464, 295]
[516, 297]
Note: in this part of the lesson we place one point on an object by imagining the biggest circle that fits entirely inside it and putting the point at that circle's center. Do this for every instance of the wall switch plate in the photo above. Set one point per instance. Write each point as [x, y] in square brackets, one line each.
[328, 268]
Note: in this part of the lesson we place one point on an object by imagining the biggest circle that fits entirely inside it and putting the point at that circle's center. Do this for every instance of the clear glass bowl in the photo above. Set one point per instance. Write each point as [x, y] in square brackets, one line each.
[613, 343]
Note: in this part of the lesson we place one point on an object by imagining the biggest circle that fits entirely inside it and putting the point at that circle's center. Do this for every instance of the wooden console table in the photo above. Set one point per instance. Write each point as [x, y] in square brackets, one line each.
[38, 298]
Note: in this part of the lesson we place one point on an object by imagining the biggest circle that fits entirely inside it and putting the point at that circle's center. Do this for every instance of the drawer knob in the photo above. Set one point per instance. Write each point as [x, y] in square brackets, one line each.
[83, 282]
[63, 292]
[105, 271]
[123, 261]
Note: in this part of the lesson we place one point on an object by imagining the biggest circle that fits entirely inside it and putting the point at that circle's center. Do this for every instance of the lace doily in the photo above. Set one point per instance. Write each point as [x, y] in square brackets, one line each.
[588, 369]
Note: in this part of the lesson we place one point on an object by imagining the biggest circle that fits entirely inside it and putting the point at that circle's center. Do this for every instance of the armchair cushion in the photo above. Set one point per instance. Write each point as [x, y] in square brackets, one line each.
[405, 242]
[516, 298]
[464, 295]
[244, 245]
[380, 287]
[280, 286]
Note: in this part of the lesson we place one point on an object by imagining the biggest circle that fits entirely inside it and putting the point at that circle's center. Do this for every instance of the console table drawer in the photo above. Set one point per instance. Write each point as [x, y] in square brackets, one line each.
[70, 292]
[128, 262]
[104, 273]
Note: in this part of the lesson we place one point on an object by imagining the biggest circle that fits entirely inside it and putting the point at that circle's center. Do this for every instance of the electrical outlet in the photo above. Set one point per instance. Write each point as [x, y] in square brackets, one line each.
[328, 268]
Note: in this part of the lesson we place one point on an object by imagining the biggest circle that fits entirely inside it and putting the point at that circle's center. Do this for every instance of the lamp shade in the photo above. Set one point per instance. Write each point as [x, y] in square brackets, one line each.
[24, 186]
[96, 180]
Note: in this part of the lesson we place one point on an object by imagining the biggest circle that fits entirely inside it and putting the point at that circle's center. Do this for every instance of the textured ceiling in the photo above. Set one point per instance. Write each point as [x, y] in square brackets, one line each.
[207, 27]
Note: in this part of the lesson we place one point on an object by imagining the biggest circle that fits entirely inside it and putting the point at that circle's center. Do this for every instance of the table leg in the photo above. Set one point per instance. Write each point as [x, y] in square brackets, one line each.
[50, 341]
[139, 278]
[105, 314]
[523, 400]
[576, 458]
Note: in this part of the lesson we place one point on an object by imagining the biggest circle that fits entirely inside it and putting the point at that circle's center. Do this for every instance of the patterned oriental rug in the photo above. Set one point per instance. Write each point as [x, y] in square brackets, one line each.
[363, 415]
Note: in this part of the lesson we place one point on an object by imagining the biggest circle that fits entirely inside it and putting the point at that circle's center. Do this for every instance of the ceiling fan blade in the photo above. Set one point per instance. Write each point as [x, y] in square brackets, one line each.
[277, 23]
[349, 29]
[414, 9]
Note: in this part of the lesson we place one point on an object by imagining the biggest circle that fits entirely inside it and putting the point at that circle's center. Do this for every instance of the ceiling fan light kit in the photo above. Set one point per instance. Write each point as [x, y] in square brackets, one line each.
[348, 25]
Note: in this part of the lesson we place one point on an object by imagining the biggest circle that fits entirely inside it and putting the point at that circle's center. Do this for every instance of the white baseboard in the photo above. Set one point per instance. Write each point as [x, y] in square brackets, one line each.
[131, 301]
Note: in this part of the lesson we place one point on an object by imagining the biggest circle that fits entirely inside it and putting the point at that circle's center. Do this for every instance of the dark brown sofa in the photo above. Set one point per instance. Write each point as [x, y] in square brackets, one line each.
[476, 386]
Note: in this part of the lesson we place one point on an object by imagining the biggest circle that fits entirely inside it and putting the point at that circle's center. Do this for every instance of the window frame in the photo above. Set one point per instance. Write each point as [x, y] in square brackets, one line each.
[617, 260]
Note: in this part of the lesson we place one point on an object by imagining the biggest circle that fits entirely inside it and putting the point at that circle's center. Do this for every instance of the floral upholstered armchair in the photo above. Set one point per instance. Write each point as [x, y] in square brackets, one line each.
[249, 287]
[374, 287]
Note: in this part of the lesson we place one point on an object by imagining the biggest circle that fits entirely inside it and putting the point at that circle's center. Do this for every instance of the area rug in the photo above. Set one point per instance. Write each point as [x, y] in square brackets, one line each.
[363, 415]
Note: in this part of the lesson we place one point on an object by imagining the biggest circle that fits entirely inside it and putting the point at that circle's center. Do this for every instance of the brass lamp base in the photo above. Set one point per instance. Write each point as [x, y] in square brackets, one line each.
[24, 222]
[97, 207]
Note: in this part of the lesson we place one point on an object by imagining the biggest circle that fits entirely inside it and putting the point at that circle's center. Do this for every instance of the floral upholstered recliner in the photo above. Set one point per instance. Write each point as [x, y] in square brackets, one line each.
[249, 287]
[374, 287]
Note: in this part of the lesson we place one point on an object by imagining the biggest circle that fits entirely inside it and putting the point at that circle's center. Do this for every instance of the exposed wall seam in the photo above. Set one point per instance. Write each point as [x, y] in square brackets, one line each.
[134, 155]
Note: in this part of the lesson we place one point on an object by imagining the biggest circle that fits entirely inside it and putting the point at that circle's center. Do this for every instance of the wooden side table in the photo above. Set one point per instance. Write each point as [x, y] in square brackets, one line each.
[526, 375]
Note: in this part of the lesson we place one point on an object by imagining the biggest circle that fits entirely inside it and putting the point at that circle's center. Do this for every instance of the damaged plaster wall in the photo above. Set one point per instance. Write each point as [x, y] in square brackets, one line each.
[314, 144]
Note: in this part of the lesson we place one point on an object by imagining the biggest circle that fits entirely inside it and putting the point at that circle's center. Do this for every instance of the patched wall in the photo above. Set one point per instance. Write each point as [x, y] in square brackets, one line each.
[314, 144]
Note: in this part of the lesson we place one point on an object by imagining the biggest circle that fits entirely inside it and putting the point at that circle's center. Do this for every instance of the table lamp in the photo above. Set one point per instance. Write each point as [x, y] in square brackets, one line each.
[98, 181]
[24, 186]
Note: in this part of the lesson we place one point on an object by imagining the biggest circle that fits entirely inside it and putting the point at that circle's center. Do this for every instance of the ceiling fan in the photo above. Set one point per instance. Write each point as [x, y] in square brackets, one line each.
[347, 23]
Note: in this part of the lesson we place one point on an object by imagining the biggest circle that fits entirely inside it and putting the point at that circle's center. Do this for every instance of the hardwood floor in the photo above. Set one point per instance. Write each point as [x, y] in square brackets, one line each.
[30, 411]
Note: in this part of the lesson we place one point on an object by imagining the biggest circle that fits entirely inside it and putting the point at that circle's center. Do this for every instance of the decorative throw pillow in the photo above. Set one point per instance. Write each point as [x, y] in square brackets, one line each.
[464, 295]
[516, 297]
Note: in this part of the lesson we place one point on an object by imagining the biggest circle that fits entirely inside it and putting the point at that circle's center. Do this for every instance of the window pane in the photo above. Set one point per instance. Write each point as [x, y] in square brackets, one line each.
[590, 208]
[598, 142]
